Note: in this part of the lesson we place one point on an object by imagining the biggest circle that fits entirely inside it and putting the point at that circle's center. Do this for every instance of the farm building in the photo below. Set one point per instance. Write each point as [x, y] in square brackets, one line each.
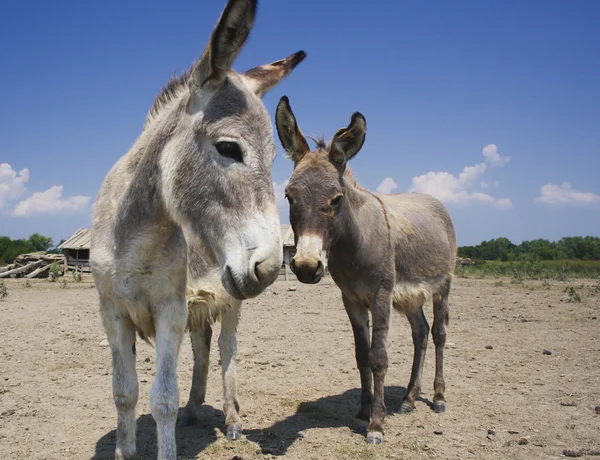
[289, 249]
[77, 250]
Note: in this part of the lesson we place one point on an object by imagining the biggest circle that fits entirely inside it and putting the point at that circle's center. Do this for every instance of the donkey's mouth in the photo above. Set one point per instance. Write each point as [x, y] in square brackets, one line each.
[231, 286]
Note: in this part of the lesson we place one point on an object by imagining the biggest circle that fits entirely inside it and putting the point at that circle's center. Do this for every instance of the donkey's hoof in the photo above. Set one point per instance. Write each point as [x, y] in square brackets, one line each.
[439, 407]
[360, 426]
[406, 408]
[125, 454]
[234, 432]
[374, 437]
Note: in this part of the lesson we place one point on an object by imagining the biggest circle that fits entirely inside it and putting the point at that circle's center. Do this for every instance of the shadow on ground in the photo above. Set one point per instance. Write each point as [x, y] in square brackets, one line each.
[191, 440]
[329, 412]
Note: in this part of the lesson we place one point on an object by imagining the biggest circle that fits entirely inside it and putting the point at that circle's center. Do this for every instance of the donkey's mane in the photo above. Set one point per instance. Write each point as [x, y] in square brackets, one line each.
[168, 91]
[320, 143]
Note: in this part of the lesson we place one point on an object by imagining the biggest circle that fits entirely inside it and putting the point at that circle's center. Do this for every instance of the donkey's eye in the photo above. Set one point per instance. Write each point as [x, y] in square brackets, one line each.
[337, 200]
[290, 200]
[231, 150]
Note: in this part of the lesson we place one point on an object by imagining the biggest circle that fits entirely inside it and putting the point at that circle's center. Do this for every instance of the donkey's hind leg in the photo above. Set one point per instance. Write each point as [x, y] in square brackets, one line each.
[420, 335]
[440, 321]
[228, 350]
[201, 338]
[121, 337]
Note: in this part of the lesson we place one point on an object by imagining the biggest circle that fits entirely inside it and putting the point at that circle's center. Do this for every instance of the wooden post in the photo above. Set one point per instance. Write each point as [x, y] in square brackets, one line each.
[286, 261]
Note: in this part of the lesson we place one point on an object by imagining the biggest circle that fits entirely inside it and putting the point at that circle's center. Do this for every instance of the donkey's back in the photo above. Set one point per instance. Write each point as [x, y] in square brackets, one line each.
[424, 244]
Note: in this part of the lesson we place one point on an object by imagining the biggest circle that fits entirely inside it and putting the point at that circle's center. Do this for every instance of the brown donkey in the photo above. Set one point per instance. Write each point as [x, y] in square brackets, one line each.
[383, 250]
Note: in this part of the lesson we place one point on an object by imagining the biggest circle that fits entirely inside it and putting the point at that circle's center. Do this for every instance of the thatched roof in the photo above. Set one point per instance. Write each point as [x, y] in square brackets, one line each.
[287, 236]
[81, 239]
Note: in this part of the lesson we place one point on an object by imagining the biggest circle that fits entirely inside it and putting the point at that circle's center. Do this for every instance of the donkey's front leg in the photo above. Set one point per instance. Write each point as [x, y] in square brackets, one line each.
[228, 350]
[359, 318]
[121, 337]
[378, 360]
[170, 325]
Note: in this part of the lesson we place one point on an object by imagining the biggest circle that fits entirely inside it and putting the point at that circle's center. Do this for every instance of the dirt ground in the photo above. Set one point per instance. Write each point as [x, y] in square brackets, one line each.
[297, 380]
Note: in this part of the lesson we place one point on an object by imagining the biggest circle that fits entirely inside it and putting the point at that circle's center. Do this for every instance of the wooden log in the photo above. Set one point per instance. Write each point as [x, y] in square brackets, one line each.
[31, 256]
[24, 269]
[37, 272]
[52, 257]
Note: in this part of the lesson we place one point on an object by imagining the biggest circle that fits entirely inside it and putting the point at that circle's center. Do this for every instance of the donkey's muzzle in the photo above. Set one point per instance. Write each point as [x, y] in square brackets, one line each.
[308, 271]
[261, 273]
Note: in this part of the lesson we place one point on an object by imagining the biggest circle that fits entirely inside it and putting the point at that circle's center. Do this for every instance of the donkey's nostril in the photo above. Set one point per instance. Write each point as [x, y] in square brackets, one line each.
[319, 267]
[257, 270]
[266, 271]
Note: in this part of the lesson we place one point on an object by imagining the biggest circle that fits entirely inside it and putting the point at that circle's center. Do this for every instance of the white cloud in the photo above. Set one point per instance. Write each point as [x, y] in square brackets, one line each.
[564, 195]
[490, 152]
[282, 205]
[451, 189]
[484, 185]
[471, 173]
[387, 185]
[50, 202]
[280, 191]
[12, 184]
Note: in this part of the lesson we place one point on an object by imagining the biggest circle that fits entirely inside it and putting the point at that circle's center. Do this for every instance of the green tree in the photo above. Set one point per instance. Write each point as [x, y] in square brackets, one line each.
[39, 242]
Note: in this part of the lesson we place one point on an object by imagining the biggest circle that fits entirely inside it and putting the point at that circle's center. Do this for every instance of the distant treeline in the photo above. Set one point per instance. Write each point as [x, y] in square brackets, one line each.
[9, 249]
[568, 248]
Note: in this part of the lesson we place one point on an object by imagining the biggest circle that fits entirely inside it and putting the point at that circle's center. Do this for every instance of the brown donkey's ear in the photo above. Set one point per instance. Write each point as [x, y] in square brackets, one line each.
[226, 41]
[262, 79]
[348, 141]
[291, 137]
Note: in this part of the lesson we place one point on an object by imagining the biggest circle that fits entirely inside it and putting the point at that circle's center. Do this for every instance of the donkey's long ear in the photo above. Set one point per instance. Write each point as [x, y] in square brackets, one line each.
[291, 137]
[348, 141]
[262, 79]
[226, 41]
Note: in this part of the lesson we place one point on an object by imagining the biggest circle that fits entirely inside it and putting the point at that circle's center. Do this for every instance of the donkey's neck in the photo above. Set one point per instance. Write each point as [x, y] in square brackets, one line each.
[144, 203]
[348, 232]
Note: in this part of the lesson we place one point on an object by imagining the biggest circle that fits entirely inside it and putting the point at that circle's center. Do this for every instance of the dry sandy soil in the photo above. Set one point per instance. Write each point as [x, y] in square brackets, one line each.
[297, 379]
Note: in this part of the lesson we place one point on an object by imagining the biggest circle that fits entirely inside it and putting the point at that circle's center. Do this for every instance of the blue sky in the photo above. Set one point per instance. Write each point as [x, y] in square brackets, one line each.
[492, 106]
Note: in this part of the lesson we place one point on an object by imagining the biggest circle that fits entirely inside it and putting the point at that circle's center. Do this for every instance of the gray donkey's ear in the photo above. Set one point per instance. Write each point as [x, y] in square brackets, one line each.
[228, 37]
[348, 141]
[263, 78]
[291, 137]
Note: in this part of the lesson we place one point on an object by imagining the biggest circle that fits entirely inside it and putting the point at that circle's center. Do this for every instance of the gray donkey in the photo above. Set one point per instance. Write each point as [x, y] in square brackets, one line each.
[383, 251]
[198, 175]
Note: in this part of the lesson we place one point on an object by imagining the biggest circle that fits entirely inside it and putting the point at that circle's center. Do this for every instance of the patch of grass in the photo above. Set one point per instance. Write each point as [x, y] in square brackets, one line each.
[573, 294]
[498, 283]
[224, 449]
[76, 276]
[27, 283]
[546, 285]
[3, 290]
[54, 272]
[560, 270]
[292, 403]
[416, 446]
[63, 284]
[359, 452]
